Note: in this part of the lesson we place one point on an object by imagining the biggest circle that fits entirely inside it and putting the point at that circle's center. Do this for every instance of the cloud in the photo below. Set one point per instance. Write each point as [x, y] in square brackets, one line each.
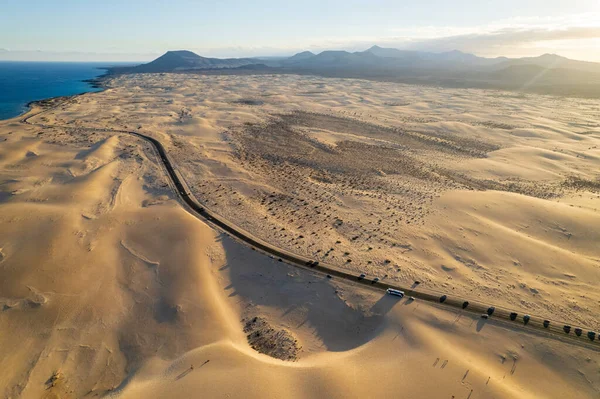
[502, 39]
[575, 36]
[579, 42]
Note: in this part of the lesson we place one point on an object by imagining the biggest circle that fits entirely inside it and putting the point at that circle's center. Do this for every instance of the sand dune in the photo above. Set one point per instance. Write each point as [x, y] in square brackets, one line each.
[111, 288]
[366, 174]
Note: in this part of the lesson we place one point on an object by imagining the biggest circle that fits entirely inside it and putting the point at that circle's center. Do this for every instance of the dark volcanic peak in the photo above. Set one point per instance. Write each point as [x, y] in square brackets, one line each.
[302, 55]
[175, 59]
[181, 53]
[390, 52]
[333, 55]
[183, 60]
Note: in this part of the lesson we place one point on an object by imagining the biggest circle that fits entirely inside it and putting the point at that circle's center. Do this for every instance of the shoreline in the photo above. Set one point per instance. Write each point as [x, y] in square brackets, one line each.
[94, 83]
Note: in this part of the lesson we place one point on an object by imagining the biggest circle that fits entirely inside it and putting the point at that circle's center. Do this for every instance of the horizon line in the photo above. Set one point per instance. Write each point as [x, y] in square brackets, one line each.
[158, 55]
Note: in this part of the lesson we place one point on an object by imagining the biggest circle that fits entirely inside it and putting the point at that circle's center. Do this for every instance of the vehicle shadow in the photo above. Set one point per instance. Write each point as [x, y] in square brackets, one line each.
[480, 323]
[385, 304]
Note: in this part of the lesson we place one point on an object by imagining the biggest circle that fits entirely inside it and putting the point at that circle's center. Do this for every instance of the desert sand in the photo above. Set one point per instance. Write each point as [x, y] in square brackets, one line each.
[110, 287]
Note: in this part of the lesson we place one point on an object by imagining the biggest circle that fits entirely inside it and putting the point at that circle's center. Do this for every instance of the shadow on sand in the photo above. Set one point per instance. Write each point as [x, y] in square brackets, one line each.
[306, 300]
[480, 323]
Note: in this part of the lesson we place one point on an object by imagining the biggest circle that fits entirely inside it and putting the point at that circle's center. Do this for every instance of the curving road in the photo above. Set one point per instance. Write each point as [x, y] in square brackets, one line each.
[510, 318]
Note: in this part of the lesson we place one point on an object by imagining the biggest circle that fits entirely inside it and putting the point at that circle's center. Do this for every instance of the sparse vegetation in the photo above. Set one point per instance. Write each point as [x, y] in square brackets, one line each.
[263, 338]
[578, 183]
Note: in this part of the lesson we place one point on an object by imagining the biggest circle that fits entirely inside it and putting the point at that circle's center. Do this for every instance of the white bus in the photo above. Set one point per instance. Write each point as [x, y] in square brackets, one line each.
[392, 291]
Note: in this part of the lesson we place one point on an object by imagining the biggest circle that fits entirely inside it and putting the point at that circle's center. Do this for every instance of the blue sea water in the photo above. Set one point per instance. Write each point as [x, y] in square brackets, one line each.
[22, 82]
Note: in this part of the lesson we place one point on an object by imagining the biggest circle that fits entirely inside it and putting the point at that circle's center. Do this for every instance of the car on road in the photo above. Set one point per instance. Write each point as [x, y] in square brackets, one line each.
[362, 275]
[578, 332]
[394, 292]
[513, 316]
[526, 318]
[490, 310]
[485, 316]
[465, 304]
[411, 298]
[546, 323]
[443, 298]
[376, 279]
[567, 329]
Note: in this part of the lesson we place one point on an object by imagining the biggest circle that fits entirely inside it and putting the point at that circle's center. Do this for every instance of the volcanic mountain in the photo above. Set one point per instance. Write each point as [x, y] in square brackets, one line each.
[183, 60]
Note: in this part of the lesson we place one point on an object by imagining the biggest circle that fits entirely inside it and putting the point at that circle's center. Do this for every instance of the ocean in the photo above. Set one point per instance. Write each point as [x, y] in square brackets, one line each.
[22, 82]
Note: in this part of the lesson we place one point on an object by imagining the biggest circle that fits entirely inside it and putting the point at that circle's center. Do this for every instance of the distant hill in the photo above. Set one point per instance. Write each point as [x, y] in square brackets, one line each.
[528, 75]
[391, 52]
[417, 57]
[451, 60]
[300, 57]
[183, 60]
[548, 73]
[552, 61]
[336, 59]
[378, 57]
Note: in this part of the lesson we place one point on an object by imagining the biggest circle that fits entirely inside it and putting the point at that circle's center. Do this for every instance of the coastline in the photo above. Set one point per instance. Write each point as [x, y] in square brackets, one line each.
[97, 82]
[29, 107]
[95, 85]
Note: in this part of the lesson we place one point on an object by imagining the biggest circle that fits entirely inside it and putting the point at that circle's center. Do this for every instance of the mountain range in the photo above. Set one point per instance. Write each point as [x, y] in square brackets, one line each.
[548, 74]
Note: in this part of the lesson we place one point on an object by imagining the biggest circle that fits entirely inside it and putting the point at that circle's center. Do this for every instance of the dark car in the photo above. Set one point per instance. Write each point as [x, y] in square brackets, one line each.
[490, 310]
[513, 316]
[578, 332]
[526, 319]
[567, 329]
[546, 323]
[443, 298]
[591, 335]
[465, 304]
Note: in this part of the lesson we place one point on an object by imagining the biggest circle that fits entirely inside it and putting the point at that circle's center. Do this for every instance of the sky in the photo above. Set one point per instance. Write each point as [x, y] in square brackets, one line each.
[141, 30]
